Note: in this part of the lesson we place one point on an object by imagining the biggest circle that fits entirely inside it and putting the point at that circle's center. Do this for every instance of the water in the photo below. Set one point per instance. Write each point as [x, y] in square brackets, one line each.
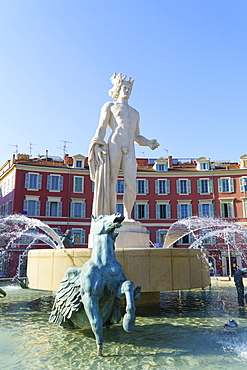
[185, 331]
[14, 226]
[184, 226]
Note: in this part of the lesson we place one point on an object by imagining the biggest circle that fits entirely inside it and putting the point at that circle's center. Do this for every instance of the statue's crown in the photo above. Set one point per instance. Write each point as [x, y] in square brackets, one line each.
[118, 79]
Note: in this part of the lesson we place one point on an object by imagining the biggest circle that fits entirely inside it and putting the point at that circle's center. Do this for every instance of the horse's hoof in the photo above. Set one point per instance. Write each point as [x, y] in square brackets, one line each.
[100, 349]
[129, 322]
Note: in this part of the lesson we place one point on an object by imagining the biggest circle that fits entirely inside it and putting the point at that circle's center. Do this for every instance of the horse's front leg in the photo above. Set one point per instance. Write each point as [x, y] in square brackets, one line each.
[127, 288]
[91, 307]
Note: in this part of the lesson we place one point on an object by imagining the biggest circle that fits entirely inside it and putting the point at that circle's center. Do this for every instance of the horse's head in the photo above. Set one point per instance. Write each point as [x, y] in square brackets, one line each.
[106, 224]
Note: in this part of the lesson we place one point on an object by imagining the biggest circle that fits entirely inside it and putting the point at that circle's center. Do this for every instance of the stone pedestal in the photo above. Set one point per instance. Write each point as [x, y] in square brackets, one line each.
[132, 234]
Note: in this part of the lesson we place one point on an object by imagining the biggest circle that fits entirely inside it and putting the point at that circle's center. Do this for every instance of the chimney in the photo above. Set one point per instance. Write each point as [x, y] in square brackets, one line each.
[170, 161]
[46, 155]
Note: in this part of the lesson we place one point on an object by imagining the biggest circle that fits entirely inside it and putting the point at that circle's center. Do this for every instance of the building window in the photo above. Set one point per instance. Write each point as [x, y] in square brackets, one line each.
[78, 164]
[184, 210]
[243, 184]
[162, 186]
[204, 186]
[207, 240]
[79, 236]
[226, 185]
[160, 236]
[53, 208]
[31, 207]
[78, 209]
[163, 210]
[120, 187]
[141, 211]
[4, 263]
[142, 186]
[54, 182]
[2, 210]
[186, 239]
[29, 236]
[183, 186]
[245, 208]
[120, 208]
[226, 209]
[204, 166]
[8, 208]
[33, 181]
[206, 210]
[78, 184]
[22, 266]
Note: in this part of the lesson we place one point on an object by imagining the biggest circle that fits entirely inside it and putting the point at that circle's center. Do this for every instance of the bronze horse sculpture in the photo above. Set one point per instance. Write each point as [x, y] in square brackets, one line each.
[90, 295]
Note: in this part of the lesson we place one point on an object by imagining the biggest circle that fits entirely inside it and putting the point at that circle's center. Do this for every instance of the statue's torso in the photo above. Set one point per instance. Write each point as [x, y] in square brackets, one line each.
[123, 122]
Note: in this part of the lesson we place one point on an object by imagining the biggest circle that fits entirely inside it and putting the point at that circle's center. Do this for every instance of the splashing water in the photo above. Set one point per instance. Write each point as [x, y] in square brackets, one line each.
[14, 226]
[191, 224]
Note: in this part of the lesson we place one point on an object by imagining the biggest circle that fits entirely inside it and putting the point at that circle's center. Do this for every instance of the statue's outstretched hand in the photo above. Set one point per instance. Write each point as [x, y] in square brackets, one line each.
[153, 144]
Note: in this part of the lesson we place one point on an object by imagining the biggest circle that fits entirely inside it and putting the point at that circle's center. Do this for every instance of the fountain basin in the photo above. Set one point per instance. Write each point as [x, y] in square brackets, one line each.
[155, 269]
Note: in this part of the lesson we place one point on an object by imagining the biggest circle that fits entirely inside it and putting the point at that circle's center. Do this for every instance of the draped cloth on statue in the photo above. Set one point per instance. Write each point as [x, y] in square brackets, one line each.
[100, 174]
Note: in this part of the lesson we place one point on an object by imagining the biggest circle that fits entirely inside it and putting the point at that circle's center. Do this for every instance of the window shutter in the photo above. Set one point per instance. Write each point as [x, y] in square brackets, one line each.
[83, 210]
[231, 185]
[178, 186]
[146, 187]
[189, 210]
[47, 208]
[71, 209]
[157, 236]
[137, 190]
[48, 182]
[220, 185]
[199, 186]
[230, 210]
[241, 185]
[188, 186]
[136, 211]
[168, 211]
[83, 236]
[179, 209]
[222, 213]
[200, 209]
[210, 186]
[37, 208]
[27, 180]
[61, 183]
[157, 210]
[39, 181]
[167, 186]
[25, 206]
[156, 186]
[59, 212]
[146, 211]
[93, 186]
[191, 238]
[211, 210]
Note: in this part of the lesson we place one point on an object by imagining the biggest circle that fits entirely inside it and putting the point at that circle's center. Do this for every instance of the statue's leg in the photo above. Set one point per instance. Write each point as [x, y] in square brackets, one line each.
[129, 318]
[115, 155]
[129, 173]
[91, 307]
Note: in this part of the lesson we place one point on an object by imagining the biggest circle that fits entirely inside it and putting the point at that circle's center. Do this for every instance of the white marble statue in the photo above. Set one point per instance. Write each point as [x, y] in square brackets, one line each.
[105, 159]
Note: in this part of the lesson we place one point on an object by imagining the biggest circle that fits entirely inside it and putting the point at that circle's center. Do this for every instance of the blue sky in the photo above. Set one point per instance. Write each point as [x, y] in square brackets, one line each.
[188, 59]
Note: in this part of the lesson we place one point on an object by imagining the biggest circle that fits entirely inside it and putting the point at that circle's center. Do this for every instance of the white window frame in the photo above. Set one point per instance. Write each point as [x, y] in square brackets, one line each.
[146, 187]
[179, 210]
[72, 207]
[168, 209]
[230, 184]
[76, 179]
[59, 206]
[188, 186]
[166, 186]
[230, 207]
[49, 183]
[146, 210]
[36, 207]
[38, 182]
[243, 184]
[200, 207]
[82, 236]
[209, 185]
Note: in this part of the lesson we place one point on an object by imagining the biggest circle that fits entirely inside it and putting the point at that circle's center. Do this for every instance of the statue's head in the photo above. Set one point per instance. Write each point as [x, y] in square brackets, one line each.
[118, 81]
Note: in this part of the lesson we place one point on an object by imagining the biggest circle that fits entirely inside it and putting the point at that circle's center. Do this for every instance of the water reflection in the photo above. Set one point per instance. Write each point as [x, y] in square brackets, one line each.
[186, 330]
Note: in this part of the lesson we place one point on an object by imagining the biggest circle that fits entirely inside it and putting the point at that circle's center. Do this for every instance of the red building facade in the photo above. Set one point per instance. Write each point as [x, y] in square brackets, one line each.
[60, 193]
